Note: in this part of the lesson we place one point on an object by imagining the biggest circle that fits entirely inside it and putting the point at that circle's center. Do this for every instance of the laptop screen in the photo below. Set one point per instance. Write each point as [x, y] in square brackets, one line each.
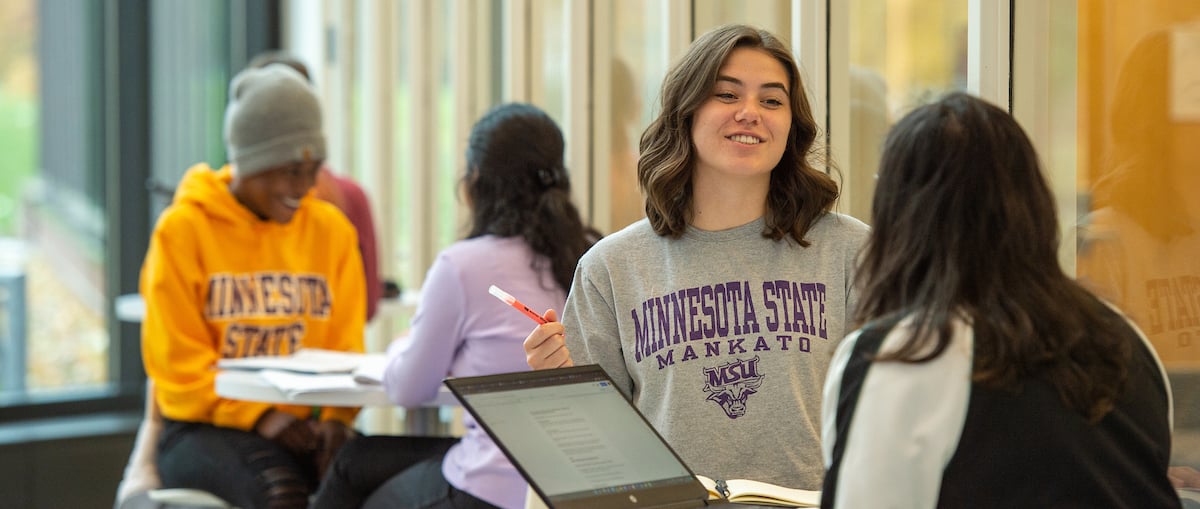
[576, 439]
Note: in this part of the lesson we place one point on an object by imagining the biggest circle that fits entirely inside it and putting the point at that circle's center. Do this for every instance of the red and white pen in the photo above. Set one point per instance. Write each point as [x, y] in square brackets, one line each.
[512, 301]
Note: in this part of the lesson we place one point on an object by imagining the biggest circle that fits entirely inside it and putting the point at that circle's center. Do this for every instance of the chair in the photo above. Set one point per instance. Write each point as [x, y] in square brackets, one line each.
[140, 486]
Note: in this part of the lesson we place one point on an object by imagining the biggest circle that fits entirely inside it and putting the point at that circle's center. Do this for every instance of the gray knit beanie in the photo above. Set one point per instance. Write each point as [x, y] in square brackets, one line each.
[273, 118]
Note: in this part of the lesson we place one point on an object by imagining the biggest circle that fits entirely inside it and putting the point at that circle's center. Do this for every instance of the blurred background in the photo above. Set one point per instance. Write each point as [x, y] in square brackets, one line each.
[105, 103]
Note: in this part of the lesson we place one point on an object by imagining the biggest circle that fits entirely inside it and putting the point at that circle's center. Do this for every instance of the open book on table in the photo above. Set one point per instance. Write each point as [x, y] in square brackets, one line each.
[745, 491]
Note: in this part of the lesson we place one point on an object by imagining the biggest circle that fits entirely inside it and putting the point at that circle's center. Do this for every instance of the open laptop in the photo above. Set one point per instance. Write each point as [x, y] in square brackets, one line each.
[578, 442]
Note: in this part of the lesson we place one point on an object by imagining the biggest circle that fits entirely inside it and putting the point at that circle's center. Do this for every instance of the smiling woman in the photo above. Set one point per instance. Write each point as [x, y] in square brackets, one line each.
[740, 133]
[733, 203]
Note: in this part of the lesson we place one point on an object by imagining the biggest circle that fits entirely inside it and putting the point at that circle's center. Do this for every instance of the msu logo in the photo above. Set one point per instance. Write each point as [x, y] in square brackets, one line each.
[731, 383]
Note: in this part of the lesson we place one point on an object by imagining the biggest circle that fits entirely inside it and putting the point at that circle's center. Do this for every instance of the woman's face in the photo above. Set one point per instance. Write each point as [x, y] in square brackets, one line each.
[275, 193]
[741, 130]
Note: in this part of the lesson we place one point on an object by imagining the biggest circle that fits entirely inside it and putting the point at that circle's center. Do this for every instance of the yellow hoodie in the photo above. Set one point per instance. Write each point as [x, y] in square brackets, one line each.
[219, 282]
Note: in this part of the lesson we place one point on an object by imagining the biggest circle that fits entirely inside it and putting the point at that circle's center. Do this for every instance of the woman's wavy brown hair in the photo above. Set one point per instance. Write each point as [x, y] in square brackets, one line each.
[799, 193]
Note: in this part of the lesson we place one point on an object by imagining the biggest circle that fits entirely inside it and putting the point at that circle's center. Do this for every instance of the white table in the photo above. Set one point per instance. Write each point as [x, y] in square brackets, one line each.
[247, 385]
[130, 307]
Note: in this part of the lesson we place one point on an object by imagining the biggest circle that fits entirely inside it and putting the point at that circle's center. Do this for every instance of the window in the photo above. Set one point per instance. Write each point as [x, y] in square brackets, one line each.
[1138, 161]
[773, 15]
[91, 97]
[54, 340]
[630, 62]
[900, 55]
[19, 134]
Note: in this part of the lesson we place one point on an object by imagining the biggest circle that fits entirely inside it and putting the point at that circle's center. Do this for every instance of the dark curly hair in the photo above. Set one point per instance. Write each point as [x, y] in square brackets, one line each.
[518, 186]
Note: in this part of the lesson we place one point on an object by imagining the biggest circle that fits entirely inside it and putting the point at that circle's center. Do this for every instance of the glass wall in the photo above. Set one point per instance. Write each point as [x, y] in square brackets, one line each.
[1139, 120]
[1044, 92]
[19, 135]
[772, 15]
[449, 128]
[191, 61]
[92, 96]
[549, 64]
[631, 61]
[54, 337]
[405, 83]
[18, 107]
[901, 53]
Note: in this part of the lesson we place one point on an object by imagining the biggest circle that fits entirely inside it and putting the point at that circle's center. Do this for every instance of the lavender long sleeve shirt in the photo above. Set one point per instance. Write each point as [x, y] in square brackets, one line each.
[461, 330]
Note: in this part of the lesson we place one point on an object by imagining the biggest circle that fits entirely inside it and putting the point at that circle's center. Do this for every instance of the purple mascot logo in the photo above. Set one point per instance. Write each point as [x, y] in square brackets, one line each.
[731, 383]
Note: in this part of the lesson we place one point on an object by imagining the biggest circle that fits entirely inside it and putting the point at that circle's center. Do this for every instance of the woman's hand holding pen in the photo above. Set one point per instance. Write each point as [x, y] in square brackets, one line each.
[546, 347]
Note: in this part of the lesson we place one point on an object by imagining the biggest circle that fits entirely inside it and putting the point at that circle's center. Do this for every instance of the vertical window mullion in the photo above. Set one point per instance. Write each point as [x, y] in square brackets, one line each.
[577, 91]
[988, 36]
[420, 162]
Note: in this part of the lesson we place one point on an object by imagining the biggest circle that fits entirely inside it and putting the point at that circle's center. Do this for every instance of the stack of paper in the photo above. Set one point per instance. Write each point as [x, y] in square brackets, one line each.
[370, 371]
[294, 384]
[313, 371]
[305, 360]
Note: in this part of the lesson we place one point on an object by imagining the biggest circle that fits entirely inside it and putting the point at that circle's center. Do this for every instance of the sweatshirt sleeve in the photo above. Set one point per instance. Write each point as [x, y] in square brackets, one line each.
[347, 318]
[418, 363]
[592, 333]
[853, 255]
[179, 349]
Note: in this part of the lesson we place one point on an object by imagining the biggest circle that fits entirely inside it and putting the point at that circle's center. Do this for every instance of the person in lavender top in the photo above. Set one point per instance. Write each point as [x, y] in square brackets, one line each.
[526, 237]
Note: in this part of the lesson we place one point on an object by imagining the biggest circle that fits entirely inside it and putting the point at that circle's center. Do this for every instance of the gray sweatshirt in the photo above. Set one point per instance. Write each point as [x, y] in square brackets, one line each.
[721, 339]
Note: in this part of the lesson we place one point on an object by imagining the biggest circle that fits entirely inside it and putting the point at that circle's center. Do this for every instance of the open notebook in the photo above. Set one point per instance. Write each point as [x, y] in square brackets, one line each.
[578, 442]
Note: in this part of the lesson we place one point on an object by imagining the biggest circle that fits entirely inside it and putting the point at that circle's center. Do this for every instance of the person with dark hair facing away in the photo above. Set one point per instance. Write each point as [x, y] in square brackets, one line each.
[245, 263]
[525, 236]
[982, 375]
[343, 192]
[718, 313]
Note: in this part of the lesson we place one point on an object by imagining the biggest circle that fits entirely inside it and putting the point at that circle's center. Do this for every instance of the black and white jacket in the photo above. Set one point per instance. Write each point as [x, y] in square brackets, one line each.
[923, 435]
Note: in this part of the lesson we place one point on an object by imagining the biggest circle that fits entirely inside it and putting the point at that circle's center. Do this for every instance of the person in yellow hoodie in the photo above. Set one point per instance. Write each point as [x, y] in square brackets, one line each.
[245, 262]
